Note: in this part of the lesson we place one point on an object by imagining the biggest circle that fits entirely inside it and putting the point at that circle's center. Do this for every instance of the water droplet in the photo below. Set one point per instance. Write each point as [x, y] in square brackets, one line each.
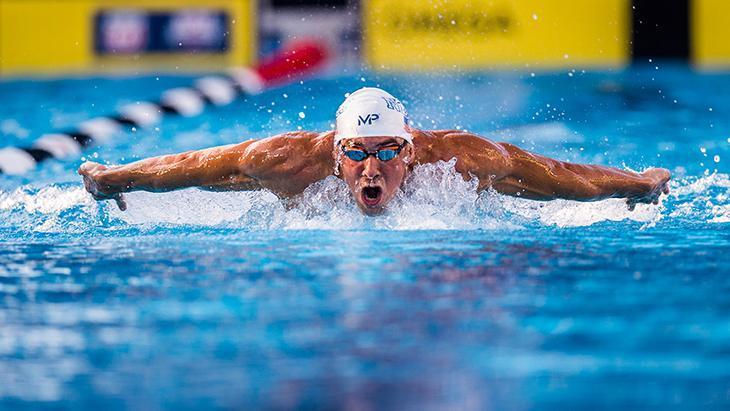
[301, 114]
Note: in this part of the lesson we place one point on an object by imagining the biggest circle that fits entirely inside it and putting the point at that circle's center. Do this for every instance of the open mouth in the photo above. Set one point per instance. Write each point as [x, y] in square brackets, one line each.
[371, 195]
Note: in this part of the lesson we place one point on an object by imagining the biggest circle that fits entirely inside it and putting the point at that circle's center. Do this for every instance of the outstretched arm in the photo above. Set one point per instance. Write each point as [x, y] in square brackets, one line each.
[514, 171]
[218, 168]
[541, 178]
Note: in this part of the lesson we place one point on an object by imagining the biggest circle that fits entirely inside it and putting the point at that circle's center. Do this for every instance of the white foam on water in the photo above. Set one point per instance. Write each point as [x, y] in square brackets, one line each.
[47, 200]
[49, 209]
[565, 213]
[705, 198]
[193, 206]
[435, 197]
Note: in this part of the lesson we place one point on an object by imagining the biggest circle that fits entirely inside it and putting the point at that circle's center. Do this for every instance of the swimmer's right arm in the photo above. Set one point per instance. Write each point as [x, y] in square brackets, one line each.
[218, 169]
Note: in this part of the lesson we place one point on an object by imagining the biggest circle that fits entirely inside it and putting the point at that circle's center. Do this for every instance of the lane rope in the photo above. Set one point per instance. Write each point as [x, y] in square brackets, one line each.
[283, 67]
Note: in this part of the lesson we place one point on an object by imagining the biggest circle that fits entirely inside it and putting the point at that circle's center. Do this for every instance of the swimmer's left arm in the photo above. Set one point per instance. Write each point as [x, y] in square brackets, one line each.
[513, 171]
[537, 177]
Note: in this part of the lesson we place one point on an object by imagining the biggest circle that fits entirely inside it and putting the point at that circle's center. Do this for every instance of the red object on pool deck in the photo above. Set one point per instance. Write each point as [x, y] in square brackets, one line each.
[296, 60]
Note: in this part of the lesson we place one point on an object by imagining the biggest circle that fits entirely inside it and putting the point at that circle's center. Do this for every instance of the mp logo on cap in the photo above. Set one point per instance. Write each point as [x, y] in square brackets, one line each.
[368, 119]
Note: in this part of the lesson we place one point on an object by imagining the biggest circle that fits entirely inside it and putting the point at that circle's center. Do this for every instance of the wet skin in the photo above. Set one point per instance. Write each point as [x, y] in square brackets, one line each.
[372, 182]
[288, 163]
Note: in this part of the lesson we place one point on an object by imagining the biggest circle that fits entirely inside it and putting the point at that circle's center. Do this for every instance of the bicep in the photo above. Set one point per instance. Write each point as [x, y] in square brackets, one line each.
[243, 166]
[479, 157]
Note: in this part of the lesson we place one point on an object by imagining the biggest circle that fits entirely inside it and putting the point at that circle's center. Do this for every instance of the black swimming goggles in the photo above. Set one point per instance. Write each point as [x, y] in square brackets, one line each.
[383, 154]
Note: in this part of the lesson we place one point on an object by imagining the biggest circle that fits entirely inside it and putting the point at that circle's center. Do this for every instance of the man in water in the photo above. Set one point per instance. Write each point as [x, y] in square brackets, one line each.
[373, 149]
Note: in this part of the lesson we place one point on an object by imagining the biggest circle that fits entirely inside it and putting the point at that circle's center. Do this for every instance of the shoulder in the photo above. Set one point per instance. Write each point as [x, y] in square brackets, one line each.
[475, 155]
[447, 144]
[290, 154]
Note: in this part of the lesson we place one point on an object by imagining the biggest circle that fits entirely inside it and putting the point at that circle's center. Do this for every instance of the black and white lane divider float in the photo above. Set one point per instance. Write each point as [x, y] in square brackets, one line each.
[283, 67]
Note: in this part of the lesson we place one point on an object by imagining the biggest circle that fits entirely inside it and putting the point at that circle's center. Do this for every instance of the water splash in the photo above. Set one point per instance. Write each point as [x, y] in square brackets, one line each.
[49, 209]
[565, 213]
[435, 197]
[705, 198]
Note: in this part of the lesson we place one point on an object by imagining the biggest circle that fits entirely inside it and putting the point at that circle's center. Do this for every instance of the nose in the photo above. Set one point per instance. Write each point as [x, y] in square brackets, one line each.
[372, 168]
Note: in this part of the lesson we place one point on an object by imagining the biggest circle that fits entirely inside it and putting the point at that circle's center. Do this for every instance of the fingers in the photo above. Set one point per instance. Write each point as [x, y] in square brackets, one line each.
[120, 202]
[90, 172]
[88, 167]
[87, 183]
[85, 171]
[83, 168]
[660, 187]
[668, 175]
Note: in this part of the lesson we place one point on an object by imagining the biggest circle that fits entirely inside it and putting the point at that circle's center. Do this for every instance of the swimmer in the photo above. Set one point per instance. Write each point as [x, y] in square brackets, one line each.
[373, 149]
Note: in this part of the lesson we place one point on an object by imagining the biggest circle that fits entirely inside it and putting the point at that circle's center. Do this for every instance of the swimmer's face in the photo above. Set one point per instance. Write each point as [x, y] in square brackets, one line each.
[374, 182]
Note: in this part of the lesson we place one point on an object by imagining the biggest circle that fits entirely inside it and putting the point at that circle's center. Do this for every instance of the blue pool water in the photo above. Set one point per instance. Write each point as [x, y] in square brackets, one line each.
[451, 300]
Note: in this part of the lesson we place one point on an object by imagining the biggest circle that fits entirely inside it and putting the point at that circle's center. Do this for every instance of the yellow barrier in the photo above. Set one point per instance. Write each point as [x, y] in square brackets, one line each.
[710, 23]
[455, 34]
[51, 36]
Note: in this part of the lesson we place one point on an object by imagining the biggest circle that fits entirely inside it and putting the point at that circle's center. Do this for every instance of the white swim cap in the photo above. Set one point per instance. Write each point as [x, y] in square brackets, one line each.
[371, 112]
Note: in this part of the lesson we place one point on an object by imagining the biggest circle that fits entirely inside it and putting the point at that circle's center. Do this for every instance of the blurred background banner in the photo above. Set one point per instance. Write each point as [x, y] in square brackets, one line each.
[711, 33]
[446, 34]
[101, 36]
[88, 36]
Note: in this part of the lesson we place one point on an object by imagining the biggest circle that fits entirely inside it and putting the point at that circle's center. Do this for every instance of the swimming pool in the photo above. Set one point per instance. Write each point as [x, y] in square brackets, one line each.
[451, 300]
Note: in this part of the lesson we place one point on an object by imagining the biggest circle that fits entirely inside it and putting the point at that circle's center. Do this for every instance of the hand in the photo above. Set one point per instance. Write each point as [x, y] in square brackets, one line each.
[658, 177]
[92, 174]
